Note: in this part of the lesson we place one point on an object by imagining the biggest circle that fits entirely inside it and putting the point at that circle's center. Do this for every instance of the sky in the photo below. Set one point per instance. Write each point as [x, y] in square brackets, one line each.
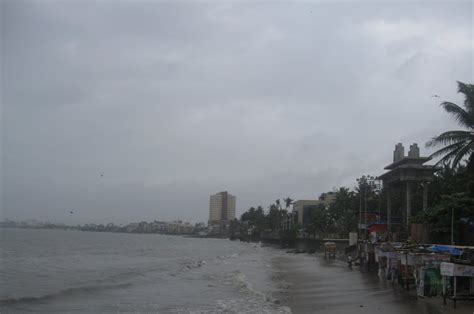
[123, 111]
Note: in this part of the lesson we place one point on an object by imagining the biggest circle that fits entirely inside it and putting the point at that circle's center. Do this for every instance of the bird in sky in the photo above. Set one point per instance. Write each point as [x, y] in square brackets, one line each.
[435, 96]
[71, 212]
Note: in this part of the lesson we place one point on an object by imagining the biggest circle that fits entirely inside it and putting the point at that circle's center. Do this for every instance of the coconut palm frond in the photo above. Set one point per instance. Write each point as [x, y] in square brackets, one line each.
[468, 91]
[446, 150]
[450, 137]
[466, 151]
[449, 157]
[458, 145]
[462, 116]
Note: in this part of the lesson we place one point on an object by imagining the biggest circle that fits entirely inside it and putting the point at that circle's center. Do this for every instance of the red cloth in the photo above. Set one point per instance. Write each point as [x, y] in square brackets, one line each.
[378, 228]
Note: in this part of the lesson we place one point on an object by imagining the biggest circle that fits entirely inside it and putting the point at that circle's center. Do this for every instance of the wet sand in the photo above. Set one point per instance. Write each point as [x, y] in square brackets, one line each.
[311, 284]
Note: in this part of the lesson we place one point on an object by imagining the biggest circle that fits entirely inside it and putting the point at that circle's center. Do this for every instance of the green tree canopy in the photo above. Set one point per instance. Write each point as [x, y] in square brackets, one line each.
[458, 145]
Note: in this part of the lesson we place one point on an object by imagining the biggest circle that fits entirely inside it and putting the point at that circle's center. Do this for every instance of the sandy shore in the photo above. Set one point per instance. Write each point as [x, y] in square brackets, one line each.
[314, 285]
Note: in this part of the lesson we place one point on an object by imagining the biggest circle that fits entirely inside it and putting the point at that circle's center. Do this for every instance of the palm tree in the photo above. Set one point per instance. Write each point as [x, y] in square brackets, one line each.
[288, 201]
[458, 144]
[277, 202]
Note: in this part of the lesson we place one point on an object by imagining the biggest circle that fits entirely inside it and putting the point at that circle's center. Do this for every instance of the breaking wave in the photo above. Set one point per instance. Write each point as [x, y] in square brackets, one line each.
[63, 293]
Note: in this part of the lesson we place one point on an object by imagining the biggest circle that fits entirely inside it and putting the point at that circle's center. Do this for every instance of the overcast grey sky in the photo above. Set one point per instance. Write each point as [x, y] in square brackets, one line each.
[174, 101]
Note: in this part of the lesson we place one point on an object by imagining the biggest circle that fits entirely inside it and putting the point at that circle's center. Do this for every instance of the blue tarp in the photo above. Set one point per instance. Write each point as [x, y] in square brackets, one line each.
[445, 249]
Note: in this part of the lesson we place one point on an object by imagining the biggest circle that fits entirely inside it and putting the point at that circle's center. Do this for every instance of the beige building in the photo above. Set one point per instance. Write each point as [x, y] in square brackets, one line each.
[303, 208]
[221, 208]
[299, 207]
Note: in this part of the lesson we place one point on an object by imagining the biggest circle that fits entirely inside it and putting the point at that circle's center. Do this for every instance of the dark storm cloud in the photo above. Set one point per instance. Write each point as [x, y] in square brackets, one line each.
[173, 101]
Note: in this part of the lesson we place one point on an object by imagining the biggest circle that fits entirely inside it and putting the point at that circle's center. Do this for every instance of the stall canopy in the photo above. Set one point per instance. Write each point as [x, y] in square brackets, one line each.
[445, 249]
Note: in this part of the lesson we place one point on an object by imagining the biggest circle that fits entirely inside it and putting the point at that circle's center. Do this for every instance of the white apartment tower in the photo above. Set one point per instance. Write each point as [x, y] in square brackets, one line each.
[221, 208]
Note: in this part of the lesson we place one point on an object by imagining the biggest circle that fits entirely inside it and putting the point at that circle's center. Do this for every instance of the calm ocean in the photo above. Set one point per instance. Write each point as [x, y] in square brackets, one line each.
[72, 271]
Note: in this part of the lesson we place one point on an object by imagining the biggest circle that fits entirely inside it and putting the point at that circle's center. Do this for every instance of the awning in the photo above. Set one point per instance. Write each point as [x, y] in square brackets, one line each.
[445, 249]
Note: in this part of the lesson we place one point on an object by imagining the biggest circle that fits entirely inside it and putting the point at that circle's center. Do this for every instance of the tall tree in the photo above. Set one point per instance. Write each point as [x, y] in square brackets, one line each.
[343, 213]
[448, 181]
[288, 201]
[278, 204]
[455, 208]
[458, 144]
[274, 217]
[321, 221]
[254, 219]
[367, 193]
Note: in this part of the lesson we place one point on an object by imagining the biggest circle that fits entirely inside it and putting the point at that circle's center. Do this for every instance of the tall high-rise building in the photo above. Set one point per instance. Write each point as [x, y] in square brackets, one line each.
[221, 208]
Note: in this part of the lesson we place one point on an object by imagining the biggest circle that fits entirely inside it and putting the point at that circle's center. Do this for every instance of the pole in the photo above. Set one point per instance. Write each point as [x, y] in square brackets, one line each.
[365, 200]
[389, 213]
[360, 213]
[408, 200]
[452, 226]
[380, 199]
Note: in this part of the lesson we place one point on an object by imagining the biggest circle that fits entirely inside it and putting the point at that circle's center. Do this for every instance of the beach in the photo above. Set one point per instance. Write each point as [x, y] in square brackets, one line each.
[316, 285]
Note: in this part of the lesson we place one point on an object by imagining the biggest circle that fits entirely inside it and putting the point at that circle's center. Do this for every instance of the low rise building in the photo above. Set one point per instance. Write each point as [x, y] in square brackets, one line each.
[302, 209]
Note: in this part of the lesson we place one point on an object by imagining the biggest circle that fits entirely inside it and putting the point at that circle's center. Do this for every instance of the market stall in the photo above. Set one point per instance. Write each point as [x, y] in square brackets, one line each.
[427, 273]
[454, 271]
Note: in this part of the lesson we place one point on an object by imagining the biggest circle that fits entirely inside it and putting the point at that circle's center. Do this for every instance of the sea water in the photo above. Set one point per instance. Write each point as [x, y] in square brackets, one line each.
[74, 271]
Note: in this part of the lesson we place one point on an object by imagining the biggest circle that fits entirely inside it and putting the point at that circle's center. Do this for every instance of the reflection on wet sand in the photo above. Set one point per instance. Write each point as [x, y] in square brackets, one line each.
[315, 285]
